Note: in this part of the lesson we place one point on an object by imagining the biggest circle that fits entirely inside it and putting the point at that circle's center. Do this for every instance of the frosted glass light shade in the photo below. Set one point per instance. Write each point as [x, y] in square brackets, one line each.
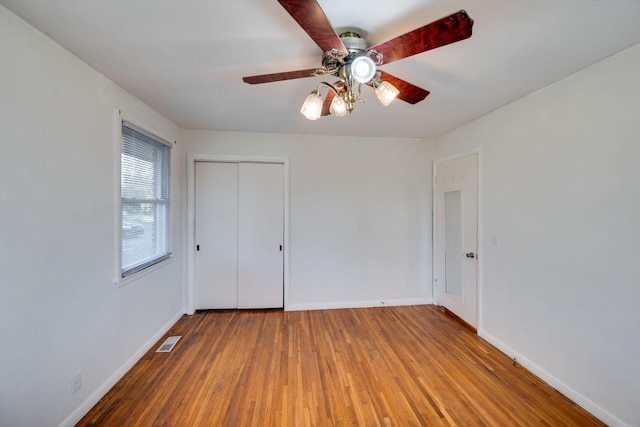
[386, 93]
[363, 69]
[338, 107]
[312, 106]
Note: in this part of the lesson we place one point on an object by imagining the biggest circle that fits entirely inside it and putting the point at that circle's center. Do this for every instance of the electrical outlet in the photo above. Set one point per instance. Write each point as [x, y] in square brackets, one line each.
[76, 383]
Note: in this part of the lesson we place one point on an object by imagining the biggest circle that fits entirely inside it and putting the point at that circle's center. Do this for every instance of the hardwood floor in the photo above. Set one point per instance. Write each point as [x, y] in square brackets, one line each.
[398, 366]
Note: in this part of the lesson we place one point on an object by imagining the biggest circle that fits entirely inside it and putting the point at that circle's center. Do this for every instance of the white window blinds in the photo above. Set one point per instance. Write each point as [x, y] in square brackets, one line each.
[145, 193]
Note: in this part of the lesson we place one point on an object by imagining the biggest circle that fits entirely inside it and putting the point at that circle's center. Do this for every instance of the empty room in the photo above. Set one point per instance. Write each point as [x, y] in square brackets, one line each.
[312, 212]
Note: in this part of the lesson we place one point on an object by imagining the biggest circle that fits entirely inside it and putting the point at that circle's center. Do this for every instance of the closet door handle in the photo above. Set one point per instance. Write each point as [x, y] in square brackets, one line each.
[280, 248]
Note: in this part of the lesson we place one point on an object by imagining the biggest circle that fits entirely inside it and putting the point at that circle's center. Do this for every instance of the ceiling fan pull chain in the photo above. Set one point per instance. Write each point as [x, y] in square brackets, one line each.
[361, 98]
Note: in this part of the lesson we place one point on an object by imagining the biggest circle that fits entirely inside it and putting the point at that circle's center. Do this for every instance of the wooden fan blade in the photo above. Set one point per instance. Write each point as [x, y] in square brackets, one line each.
[447, 30]
[408, 92]
[276, 77]
[310, 16]
[327, 101]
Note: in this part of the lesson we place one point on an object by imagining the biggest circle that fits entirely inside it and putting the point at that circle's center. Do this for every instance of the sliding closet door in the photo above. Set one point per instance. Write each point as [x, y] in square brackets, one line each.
[216, 233]
[239, 235]
[260, 235]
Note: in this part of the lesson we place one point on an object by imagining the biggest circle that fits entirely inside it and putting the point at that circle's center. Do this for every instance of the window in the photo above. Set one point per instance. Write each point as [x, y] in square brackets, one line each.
[145, 199]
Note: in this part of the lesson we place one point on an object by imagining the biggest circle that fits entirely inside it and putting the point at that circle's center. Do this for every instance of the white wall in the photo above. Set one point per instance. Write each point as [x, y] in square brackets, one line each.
[60, 312]
[360, 212]
[561, 189]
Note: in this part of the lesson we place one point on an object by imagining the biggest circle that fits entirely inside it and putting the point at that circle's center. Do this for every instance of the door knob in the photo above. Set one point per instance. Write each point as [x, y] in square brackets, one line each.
[470, 255]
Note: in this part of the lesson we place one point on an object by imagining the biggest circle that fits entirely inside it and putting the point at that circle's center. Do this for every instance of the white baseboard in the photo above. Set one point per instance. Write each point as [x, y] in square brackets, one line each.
[358, 304]
[91, 401]
[590, 406]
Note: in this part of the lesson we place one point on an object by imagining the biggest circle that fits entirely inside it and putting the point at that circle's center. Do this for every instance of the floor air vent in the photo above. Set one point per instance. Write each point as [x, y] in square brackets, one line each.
[168, 344]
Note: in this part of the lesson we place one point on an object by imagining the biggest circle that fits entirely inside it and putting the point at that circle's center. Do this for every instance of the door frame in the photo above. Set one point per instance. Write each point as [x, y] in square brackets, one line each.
[480, 246]
[191, 215]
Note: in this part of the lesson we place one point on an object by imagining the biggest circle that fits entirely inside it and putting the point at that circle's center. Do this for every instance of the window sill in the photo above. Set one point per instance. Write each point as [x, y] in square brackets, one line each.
[121, 281]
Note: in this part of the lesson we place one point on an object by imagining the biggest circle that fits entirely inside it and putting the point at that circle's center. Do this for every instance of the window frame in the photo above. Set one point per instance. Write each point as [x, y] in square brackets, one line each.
[143, 268]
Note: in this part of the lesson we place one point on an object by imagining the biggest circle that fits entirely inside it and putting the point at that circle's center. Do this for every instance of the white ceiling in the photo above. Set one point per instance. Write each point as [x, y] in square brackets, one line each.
[186, 59]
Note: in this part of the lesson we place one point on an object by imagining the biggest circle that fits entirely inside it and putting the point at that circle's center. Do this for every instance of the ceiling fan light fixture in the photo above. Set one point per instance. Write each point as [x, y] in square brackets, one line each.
[312, 106]
[350, 58]
[338, 107]
[362, 69]
[386, 93]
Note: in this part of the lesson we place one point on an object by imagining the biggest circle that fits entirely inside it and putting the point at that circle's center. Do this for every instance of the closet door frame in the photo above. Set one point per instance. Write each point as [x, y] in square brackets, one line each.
[191, 170]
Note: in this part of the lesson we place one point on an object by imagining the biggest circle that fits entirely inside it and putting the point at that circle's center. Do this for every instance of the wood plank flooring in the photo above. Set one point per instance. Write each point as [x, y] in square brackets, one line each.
[390, 366]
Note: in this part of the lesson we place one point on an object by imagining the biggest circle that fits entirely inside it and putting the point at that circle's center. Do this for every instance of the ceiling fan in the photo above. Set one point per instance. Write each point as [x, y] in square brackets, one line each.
[348, 57]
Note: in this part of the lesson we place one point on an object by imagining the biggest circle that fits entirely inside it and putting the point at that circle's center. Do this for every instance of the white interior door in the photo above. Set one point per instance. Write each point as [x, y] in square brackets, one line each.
[216, 225]
[261, 235]
[456, 237]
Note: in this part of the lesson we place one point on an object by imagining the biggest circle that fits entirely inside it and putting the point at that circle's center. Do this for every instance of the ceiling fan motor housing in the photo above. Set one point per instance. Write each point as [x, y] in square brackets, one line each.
[337, 64]
[353, 42]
